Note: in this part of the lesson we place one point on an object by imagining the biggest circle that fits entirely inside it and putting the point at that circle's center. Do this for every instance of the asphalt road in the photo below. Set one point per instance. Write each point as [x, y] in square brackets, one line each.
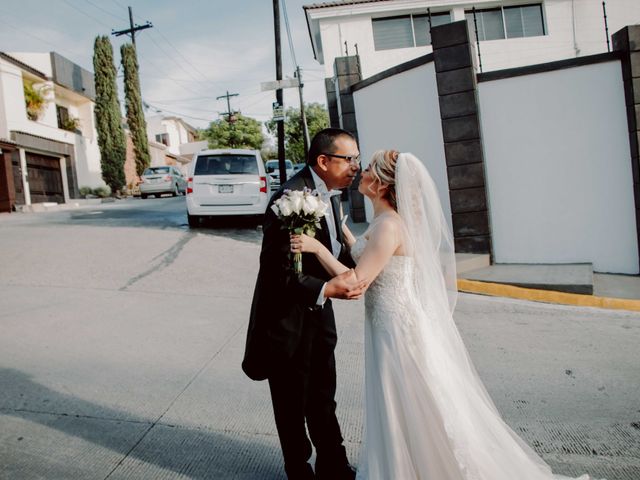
[122, 331]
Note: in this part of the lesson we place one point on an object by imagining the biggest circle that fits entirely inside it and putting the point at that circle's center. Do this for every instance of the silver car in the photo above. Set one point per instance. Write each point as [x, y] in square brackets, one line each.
[164, 179]
[273, 169]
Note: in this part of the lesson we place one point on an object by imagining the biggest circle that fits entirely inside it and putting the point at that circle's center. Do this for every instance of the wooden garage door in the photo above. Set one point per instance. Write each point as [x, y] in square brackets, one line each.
[45, 178]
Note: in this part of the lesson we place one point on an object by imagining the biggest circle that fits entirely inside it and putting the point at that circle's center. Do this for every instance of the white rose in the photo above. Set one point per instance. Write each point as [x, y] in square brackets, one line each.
[310, 204]
[296, 199]
[285, 207]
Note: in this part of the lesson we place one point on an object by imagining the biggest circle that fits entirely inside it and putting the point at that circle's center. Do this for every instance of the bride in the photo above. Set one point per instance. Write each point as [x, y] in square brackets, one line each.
[427, 413]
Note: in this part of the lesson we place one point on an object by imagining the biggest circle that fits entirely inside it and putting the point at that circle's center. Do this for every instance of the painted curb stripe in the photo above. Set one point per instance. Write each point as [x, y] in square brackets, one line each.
[547, 296]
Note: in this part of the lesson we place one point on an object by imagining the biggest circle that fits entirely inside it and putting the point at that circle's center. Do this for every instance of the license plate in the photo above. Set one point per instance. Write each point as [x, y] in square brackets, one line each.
[225, 188]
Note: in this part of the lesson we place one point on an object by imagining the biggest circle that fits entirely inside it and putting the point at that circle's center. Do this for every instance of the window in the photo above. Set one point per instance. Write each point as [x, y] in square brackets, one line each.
[508, 22]
[163, 138]
[490, 25]
[157, 171]
[421, 27]
[524, 21]
[406, 31]
[391, 33]
[226, 165]
[63, 116]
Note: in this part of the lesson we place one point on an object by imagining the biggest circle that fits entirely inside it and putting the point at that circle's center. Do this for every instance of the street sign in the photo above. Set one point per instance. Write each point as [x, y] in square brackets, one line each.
[278, 112]
[285, 83]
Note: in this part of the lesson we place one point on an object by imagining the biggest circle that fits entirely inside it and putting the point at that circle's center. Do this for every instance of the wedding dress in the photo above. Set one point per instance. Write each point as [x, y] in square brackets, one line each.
[427, 413]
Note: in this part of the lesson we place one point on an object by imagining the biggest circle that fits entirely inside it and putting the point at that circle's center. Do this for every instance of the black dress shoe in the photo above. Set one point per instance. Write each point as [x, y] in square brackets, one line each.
[304, 473]
[344, 473]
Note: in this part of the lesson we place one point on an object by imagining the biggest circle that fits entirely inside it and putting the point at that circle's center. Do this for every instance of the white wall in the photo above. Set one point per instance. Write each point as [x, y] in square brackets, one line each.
[402, 113]
[558, 168]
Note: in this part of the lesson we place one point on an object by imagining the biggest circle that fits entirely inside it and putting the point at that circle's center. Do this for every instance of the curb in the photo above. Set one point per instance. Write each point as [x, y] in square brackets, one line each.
[547, 296]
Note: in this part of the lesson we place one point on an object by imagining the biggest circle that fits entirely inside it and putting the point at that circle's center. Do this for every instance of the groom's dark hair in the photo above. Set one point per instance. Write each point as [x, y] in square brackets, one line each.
[323, 142]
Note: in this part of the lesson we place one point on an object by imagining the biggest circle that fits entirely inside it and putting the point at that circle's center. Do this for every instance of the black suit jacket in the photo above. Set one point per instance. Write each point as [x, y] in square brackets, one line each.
[282, 299]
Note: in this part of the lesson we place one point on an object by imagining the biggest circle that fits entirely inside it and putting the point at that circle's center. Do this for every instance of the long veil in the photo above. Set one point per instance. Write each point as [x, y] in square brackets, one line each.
[484, 445]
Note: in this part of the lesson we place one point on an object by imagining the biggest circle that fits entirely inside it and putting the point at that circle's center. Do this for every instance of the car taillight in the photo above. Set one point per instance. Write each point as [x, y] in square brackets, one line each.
[263, 184]
[190, 185]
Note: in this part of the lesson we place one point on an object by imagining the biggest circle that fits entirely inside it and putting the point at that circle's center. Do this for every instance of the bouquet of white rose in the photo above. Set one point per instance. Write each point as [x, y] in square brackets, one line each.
[300, 211]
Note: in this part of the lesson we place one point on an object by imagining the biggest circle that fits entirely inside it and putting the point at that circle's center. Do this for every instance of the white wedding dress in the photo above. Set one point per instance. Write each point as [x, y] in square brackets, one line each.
[427, 413]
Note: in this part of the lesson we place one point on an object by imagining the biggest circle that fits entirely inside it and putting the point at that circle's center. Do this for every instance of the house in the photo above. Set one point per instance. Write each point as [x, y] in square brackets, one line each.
[511, 33]
[48, 139]
[170, 131]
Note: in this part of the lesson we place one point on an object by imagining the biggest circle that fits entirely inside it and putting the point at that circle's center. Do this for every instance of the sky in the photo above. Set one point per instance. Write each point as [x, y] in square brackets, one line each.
[196, 51]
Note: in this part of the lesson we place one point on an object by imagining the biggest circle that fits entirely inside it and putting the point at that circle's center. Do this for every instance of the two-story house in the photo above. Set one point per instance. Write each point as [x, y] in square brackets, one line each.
[48, 139]
[510, 33]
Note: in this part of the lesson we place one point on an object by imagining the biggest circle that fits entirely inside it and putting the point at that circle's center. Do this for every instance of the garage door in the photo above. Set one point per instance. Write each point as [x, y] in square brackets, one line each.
[45, 178]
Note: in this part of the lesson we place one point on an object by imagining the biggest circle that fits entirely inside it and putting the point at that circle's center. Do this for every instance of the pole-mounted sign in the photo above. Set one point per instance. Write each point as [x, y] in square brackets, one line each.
[278, 112]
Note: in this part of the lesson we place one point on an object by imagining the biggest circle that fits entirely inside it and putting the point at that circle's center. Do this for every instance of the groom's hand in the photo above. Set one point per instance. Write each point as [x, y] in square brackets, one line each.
[345, 286]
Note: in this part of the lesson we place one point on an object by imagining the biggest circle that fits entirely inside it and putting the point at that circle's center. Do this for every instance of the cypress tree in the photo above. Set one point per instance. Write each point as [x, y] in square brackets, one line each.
[133, 102]
[111, 139]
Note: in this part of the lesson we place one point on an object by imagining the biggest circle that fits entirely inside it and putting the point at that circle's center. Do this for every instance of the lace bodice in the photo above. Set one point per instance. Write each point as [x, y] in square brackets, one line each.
[390, 293]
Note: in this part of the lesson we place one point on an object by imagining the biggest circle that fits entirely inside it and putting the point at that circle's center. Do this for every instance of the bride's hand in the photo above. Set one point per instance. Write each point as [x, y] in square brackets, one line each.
[304, 243]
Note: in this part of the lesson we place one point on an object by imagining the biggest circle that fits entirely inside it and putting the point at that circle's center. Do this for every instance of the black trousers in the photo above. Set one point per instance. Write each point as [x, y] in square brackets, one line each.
[303, 389]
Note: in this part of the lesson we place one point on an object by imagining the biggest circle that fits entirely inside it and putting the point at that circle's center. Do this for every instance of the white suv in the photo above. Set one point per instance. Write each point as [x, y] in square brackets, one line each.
[226, 182]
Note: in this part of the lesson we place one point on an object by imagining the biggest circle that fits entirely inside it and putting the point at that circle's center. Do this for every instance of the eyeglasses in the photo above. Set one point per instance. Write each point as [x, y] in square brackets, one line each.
[355, 161]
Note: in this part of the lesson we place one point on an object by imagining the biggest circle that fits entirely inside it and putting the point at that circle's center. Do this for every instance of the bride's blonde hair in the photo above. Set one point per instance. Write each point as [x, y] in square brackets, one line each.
[383, 171]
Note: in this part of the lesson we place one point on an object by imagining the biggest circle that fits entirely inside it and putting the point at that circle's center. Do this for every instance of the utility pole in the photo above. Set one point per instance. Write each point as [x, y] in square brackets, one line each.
[228, 113]
[131, 31]
[279, 96]
[303, 118]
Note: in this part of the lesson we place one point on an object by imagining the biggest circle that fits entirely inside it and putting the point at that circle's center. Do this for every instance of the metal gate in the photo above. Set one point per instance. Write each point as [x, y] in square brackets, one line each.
[45, 178]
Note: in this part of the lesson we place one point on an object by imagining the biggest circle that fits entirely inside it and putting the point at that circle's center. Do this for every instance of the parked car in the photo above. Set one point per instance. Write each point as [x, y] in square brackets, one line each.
[226, 182]
[297, 167]
[159, 180]
[273, 169]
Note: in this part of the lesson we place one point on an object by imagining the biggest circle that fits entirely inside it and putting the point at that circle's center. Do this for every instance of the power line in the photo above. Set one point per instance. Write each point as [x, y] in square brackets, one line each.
[105, 11]
[85, 13]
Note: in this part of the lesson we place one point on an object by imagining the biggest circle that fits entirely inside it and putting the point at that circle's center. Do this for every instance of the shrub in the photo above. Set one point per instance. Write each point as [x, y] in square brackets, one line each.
[102, 192]
[84, 191]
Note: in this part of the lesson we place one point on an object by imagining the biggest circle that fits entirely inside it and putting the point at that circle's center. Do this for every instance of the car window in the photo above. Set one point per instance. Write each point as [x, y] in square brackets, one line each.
[156, 170]
[288, 164]
[226, 165]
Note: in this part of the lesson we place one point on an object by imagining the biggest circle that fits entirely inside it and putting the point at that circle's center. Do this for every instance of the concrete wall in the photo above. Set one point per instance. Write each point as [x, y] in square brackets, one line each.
[558, 168]
[402, 113]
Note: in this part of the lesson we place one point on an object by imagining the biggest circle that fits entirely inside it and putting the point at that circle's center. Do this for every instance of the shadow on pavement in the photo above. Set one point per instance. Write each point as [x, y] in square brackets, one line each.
[196, 453]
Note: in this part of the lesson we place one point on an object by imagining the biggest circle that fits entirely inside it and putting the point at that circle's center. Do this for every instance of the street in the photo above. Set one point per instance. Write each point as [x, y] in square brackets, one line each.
[122, 333]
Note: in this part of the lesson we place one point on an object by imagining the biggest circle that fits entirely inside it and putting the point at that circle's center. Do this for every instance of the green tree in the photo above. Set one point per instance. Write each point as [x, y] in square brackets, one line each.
[111, 138]
[245, 132]
[317, 119]
[133, 101]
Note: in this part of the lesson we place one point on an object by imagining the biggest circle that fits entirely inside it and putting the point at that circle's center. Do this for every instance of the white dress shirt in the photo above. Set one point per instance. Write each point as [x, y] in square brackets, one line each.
[336, 246]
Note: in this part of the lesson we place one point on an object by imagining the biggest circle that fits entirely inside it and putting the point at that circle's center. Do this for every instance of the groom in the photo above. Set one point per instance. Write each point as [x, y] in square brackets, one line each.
[292, 330]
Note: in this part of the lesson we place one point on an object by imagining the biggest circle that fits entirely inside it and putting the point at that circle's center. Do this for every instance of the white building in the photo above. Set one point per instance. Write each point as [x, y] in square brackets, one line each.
[512, 33]
[171, 132]
[53, 152]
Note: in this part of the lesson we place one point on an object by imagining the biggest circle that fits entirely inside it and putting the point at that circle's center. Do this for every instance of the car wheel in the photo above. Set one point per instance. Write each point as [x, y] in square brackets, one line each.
[143, 196]
[194, 220]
